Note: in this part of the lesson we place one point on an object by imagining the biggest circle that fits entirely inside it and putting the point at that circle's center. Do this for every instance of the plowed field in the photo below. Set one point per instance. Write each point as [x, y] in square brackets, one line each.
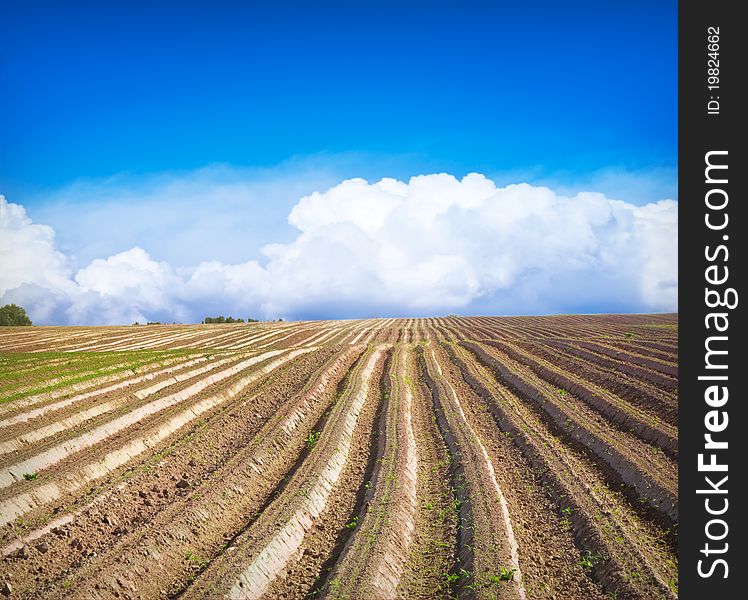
[481, 457]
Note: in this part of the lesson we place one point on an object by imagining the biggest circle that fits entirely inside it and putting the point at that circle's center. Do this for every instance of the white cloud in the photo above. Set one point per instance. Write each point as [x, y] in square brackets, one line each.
[28, 251]
[634, 185]
[432, 245]
[217, 212]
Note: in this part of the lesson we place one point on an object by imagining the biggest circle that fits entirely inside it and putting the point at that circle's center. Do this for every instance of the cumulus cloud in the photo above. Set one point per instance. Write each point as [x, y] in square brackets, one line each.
[431, 245]
[182, 217]
[28, 251]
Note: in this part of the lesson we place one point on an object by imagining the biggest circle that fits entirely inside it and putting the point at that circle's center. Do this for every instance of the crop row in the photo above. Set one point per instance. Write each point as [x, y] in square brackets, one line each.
[449, 457]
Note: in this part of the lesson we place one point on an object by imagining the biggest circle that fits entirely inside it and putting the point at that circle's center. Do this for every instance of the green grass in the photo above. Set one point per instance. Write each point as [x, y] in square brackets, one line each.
[312, 439]
[667, 326]
[86, 366]
[195, 559]
[504, 575]
[589, 559]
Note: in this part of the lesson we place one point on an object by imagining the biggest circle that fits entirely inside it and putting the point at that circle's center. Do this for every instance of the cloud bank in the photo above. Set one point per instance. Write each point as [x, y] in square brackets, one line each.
[429, 246]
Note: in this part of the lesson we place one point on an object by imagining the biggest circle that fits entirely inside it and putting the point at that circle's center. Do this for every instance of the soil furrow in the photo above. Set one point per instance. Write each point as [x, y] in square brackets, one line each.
[625, 554]
[425, 458]
[623, 416]
[373, 561]
[637, 464]
[644, 396]
[17, 406]
[14, 473]
[664, 382]
[38, 495]
[203, 522]
[252, 568]
[487, 526]
[91, 410]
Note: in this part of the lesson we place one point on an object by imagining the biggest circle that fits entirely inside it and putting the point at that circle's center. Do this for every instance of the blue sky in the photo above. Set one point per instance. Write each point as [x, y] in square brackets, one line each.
[92, 89]
[192, 130]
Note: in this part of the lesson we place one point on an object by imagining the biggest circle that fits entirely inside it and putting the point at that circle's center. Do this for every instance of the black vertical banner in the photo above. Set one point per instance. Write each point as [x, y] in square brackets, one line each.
[711, 181]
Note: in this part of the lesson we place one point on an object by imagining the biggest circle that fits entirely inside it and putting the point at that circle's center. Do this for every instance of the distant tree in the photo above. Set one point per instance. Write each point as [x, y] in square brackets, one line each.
[12, 314]
[221, 319]
[251, 320]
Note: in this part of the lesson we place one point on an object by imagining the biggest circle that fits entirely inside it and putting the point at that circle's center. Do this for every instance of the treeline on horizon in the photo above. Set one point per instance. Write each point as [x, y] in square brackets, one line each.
[222, 319]
[211, 321]
[12, 315]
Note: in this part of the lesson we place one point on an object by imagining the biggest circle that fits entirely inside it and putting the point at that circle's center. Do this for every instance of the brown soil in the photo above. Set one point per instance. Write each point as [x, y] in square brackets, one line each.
[486, 457]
